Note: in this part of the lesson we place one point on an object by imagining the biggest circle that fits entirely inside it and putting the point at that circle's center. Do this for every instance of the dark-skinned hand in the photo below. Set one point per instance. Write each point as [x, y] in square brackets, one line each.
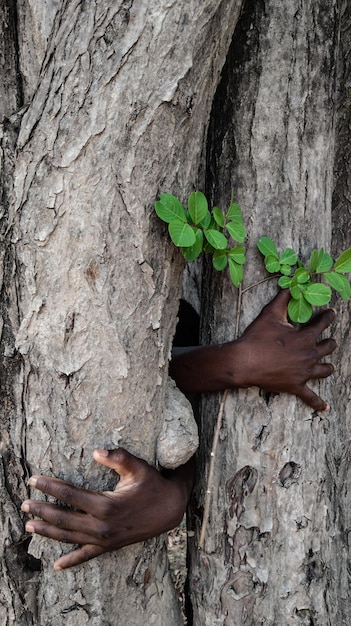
[144, 504]
[279, 357]
[271, 354]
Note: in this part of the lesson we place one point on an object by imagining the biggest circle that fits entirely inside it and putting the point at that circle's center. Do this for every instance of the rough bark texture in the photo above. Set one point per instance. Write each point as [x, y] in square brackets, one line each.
[118, 98]
[279, 494]
[104, 105]
[338, 446]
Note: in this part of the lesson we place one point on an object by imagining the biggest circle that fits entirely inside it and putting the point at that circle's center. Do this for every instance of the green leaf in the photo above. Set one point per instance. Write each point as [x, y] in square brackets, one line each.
[288, 257]
[236, 272]
[197, 206]
[313, 260]
[296, 291]
[237, 254]
[192, 252]
[218, 216]
[324, 263]
[285, 269]
[220, 259]
[284, 282]
[343, 263]
[168, 208]
[205, 223]
[317, 294]
[234, 213]
[212, 225]
[301, 275]
[216, 239]
[236, 230]
[208, 248]
[267, 247]
[299, 310]
[340, 283]
[181, 233]
[272, 264]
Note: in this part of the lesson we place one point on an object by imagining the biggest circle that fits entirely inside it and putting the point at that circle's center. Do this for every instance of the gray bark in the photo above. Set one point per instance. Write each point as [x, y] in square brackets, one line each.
[117, 104]
[276, 550]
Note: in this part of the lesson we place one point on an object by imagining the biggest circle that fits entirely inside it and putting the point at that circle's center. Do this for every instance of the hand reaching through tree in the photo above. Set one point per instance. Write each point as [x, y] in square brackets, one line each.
[279, 357]
[144, 504]
[271, 354]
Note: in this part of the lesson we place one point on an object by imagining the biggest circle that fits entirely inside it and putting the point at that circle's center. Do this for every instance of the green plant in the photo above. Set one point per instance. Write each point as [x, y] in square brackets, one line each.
[197, 230]
[294, 275]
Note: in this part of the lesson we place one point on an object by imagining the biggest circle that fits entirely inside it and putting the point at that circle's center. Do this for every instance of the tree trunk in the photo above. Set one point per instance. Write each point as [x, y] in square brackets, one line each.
[104, 105]
[276, 549]
[117, 100]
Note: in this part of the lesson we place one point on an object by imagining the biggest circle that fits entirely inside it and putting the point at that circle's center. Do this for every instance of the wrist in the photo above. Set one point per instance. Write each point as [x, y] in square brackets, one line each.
[183, 477]
[233, 371]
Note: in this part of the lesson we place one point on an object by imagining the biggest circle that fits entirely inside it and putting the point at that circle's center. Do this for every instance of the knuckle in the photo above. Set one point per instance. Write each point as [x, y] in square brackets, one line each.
[332, 344]
[104, 533]
[107, 508]
[313, 355]
[58, 520]
[64, 493]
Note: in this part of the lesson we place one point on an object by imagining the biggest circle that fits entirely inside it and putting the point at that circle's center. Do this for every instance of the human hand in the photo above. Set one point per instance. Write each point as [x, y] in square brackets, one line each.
[278, 357]
[144, 504]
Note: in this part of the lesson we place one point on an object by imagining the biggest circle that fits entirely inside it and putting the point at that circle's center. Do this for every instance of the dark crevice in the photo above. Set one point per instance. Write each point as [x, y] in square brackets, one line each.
[19, 80]
[242, 57]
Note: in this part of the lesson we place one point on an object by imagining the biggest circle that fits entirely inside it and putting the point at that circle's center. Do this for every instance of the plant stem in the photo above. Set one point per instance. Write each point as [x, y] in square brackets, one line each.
[264, 280]
[211, 471]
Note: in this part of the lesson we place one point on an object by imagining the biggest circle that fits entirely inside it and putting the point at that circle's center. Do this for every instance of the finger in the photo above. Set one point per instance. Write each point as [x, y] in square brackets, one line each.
[326, 346]
[279, 305]
[312, 399]
[45, 529]
[65, 492]
[123, 462]
[57, 516]
[81, 555]
[322, 370]
[320, 322]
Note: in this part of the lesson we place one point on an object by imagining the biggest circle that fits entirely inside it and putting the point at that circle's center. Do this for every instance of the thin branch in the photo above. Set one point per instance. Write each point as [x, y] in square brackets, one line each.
[215, 442]
[264, 280]
[211, 471]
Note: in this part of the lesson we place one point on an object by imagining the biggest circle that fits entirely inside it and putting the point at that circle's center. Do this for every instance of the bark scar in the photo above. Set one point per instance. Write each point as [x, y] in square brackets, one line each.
[240, 486]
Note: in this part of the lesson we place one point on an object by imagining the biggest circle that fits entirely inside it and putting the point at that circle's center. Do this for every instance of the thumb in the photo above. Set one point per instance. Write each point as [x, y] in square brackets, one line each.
[123, 462]
[279, 305]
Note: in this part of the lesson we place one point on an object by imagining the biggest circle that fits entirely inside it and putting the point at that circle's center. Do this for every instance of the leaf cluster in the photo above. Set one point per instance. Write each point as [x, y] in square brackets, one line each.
[197, 229]
[294, 275]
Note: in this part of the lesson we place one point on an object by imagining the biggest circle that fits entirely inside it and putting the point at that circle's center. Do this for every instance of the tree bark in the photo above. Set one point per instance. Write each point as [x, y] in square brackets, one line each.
[271, 552]
[104, 105]
[119, 98]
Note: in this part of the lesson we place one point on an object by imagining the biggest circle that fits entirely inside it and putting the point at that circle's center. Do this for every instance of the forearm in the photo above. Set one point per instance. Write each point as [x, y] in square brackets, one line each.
[208, 368]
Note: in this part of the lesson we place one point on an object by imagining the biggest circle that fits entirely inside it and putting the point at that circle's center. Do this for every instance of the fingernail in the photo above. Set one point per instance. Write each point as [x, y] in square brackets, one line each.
[25, 507]
[327, 408]
[33, 481]
[57, 568]
[103, 453]
[30, 528]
